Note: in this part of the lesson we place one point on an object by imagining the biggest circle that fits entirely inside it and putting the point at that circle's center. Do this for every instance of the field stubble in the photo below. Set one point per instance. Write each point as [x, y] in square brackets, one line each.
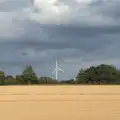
[60, 102]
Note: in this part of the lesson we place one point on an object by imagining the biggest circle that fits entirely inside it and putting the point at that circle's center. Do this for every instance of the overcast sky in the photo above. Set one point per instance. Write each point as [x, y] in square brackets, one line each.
[79, 33]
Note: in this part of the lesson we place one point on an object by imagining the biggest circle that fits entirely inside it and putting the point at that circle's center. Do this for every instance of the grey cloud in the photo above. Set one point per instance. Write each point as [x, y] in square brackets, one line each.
[13, 5]
[108, 8]
[61, 37]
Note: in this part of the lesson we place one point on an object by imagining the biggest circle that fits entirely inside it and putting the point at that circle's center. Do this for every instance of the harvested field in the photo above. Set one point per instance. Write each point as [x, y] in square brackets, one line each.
[60, 102]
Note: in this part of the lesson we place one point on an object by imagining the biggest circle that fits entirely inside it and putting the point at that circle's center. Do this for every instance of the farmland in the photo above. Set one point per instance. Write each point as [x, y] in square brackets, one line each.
[60, 102]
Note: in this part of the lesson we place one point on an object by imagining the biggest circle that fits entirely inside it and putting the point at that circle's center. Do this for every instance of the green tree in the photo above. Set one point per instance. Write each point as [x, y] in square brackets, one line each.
[71, 81]
[106, 73]
[2, 78]
[19, 79]
[81, 77]
[118, 77]
[10, 80]
[29, 76]
[47, 80]
[100, 74]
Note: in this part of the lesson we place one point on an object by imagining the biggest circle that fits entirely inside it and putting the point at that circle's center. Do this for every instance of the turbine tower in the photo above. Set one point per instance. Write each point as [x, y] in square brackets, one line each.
[57, 69]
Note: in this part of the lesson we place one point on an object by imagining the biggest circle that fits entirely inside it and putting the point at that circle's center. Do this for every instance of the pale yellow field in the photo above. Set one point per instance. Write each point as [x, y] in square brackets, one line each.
[60, 103]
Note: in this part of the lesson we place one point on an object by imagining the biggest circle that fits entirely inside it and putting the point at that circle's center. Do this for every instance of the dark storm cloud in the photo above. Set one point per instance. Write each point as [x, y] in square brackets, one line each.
[61, 37]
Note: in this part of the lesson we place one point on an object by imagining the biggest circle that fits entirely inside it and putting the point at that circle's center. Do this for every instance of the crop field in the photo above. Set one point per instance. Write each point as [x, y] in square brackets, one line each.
[60, 102]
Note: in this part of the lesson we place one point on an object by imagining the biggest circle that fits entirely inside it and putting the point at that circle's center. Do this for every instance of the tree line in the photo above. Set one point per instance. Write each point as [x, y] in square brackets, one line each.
[101, 74]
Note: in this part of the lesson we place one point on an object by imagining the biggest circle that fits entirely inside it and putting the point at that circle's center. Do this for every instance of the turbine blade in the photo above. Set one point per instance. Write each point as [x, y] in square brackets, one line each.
[60, 69]
[54, 71]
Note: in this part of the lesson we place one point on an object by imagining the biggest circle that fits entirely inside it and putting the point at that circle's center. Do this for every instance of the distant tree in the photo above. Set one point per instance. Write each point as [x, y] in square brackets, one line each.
[71, 81]
[81, 77]
[106, 73]
[47, 80]
[10, 80]
[29, 76]
[2, 78]
[19, 79]
[101, 74]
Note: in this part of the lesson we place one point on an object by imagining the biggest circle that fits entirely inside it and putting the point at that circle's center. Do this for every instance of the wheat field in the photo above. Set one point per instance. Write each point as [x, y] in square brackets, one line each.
[60, 102]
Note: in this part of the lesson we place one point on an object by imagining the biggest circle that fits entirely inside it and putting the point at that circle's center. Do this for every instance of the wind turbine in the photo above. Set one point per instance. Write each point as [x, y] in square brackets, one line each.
[57, 69]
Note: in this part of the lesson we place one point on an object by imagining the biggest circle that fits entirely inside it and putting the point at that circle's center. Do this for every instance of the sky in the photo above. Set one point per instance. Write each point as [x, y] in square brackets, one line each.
[78, 33]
